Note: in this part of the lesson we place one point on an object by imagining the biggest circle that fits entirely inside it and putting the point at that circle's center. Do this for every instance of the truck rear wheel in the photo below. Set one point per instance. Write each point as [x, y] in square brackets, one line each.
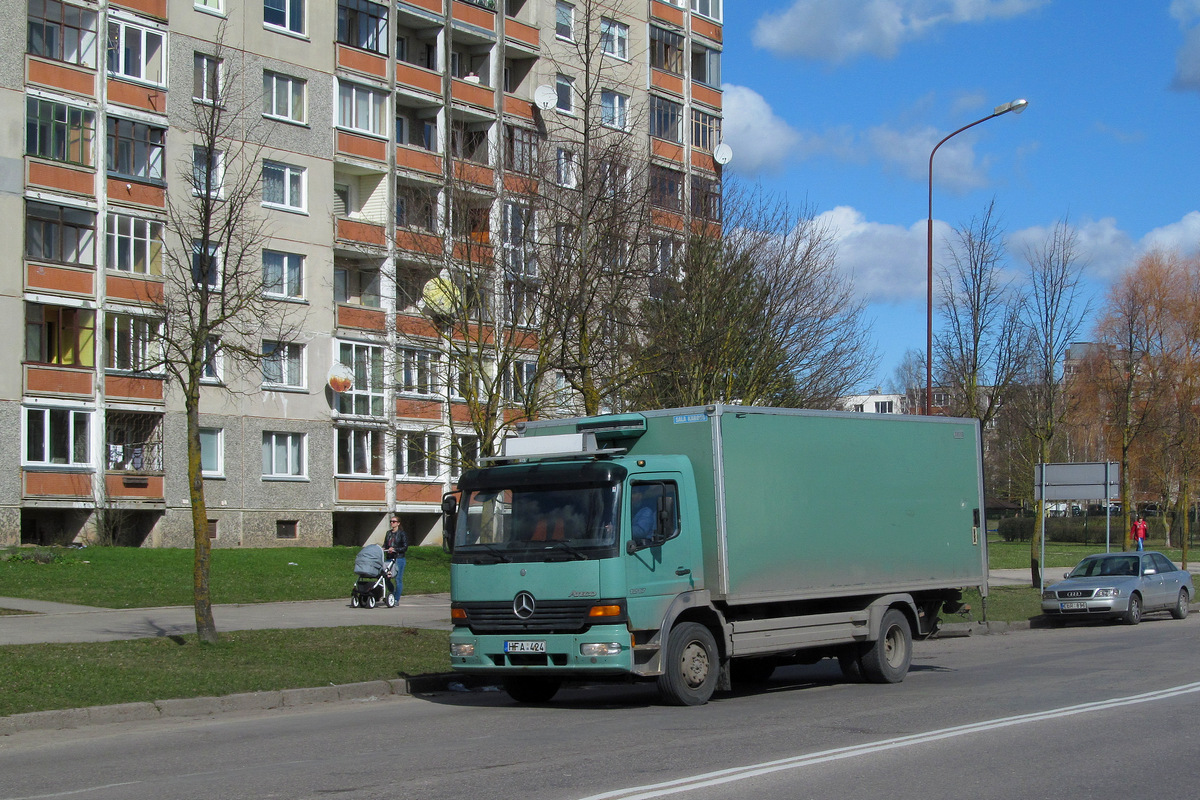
[690, 666]
[886, 660]
[525, 689]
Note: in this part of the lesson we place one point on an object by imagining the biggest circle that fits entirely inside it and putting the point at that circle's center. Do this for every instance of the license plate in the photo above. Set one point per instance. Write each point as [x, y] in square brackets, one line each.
[1075, 606]
[524, 647]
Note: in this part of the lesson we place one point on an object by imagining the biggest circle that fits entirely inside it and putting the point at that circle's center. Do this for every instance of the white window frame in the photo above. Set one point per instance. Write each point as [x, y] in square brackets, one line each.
[217, 171]
[293, 17]
[283, 278]
[457, 442]
[295, 456]
[217, 264]
[614, 38]
[350, 109]
[137, 339]
[614, 110]
[356, 439]
[566, 168]
[216, 436]
[564, 21]
[287, 360]
[129, 35]
[564, 88]
[216, 7]
[210, 71]
[296, 110]
[430, 451]
[212, 371]
[294, 178]
[128, 237]
[710, 9]
[368, 388]
[75, 438]
[417, 370]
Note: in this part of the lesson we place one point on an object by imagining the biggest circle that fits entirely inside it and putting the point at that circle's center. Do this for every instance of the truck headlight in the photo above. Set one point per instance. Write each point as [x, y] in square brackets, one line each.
[462, 649]
[600, 649]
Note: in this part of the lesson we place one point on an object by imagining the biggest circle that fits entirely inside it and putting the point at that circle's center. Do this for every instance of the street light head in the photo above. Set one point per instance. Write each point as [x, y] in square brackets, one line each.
[1016, 106]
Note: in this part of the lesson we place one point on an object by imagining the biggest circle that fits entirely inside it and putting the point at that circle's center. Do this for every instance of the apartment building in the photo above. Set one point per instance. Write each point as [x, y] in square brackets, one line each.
[385, 130]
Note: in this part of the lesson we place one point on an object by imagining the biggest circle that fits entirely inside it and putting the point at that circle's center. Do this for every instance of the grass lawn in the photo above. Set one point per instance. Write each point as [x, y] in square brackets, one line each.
[126, 577]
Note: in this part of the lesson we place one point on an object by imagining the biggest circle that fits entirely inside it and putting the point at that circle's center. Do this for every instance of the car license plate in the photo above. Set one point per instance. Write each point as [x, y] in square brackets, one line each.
[1075, 606]
[524, 647]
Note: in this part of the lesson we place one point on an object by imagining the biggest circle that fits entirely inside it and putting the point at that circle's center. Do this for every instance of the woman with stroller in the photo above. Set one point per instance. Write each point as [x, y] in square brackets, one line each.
[395, 546]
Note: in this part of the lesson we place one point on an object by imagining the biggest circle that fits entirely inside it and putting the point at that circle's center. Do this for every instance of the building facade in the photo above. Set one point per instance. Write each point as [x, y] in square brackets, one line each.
[387, 135]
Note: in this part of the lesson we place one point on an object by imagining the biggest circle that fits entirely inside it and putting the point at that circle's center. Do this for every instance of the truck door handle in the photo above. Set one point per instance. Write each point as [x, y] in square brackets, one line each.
[682, 571]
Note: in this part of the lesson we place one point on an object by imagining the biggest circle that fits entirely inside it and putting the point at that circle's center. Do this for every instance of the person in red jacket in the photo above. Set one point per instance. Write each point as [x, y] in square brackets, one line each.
[1138, 533]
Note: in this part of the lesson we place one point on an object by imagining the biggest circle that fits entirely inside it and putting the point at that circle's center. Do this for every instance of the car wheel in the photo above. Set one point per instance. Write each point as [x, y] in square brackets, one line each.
[1181, 605]
[1134, 615]
[690, 666]
[887, 659]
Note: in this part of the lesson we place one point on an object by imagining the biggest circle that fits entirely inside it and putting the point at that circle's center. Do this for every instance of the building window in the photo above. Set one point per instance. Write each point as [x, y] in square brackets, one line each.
[283, 97]
[520, 149]
[464, 454]
[62, 32]
[615, 179]
[518, 238]
[365, 397]
[283, 186]
[59, 132]
[206, 264]
[214, 6]
[885, 407]
[135, 150]
[706, 66]
[666, 50]
[283, 274]
[417, 454]
[614, 38]
[359, 451]
[210, 371]
[666, 119]
[131, 343]
[708, 8]
[60, 234]
[564, 21]
[285, 14]
[416, 131]
[666, 188]
[58, 335]
[134, 244]
[613, 109]
[417, 207]
[519, 382]
[283, 455]
[565, 89]
[417, 371]
[285, 529]
[363, 24]
[206, 78]
[706, 130]
[566, 170]
[362, 109]
[58, 436]
[134, 441]
[208, 171]
[357, 286]
[212, 452]
[706, 198]
[136, 52]
[283, 364]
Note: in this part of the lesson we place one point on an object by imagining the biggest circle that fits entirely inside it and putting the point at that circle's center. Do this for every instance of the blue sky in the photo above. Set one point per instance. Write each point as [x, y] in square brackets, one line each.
[838, 103]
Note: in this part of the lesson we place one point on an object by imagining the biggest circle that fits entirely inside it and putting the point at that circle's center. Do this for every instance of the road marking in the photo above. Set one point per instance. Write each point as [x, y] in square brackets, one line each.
[724, 776]
[84, 790]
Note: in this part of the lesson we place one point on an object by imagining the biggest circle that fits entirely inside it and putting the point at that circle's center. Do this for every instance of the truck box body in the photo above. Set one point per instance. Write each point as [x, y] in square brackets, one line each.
[777, 535]
[800, 504]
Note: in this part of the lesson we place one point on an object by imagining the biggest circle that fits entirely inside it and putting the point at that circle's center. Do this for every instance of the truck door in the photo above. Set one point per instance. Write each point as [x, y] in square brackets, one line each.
[659, 547]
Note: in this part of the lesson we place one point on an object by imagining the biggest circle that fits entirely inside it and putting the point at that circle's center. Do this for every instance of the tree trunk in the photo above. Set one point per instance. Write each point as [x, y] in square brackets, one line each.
[206, 627]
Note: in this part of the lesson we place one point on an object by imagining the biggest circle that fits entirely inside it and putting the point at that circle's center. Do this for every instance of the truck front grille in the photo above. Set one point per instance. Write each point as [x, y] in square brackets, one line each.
[549, 616]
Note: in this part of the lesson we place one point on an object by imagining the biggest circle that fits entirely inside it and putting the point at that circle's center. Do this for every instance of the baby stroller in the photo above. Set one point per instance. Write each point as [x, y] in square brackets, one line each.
[374, 573]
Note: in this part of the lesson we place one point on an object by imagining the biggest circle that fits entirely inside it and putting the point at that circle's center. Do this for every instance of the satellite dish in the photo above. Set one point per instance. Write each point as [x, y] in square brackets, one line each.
[440, 295]
[722, 153]
[341, 377]
[545, 97]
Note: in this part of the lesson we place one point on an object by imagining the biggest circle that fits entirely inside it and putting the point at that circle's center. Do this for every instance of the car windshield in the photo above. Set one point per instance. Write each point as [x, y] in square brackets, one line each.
[1105, 566]
[532, 523]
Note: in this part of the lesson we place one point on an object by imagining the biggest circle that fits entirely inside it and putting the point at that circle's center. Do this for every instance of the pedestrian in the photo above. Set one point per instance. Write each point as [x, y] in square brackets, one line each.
[395, 547]
[1139, 532]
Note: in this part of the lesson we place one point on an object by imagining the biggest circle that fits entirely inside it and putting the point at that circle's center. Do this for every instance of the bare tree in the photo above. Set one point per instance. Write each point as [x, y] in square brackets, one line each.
[213, 304]
[981, 350]
[1053, 315]
[908, 379]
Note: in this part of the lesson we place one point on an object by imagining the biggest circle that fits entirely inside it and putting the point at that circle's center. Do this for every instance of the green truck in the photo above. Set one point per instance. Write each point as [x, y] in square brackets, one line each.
[701, 546]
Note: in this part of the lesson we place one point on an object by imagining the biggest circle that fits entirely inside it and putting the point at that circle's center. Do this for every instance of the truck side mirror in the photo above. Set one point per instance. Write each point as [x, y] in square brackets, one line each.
[666, 515]
[449, 520]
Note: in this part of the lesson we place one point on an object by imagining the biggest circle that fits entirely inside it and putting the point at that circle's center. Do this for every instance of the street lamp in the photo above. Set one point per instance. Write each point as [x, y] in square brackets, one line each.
[1016, 106]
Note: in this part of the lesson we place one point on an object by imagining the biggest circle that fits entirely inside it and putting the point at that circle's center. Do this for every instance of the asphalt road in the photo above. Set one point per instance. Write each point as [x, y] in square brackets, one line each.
[1067, 713]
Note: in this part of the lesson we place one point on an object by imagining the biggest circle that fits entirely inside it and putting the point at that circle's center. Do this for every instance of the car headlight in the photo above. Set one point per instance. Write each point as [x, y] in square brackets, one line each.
[600, 649]
[1108, 593]
[1048, 595]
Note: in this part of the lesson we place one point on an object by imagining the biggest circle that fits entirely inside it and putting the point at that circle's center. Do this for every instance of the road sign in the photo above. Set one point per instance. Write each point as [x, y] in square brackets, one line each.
[1087, 481]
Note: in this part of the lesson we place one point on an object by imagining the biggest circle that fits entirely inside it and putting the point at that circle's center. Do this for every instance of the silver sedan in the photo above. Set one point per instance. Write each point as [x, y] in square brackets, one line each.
[1120, 586]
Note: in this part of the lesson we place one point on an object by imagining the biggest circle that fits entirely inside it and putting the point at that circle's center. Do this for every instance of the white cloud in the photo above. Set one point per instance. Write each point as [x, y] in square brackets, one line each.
[887, 262]
[835, 30]
[1183, 235]
[761, 140]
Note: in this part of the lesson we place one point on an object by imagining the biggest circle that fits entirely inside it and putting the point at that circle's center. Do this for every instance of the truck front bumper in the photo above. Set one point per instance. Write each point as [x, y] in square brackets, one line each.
[601, 650]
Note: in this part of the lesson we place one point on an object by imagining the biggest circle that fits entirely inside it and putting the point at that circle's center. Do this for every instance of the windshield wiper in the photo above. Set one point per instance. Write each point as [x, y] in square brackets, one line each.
[574, 551]
[497, 552]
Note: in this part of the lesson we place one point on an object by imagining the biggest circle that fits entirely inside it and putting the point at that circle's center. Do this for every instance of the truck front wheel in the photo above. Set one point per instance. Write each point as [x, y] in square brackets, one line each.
[525, 689]
[690, 667]
[886, 660]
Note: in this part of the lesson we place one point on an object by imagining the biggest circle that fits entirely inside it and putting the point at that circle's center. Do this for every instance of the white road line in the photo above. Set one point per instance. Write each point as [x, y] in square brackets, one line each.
[752, 770]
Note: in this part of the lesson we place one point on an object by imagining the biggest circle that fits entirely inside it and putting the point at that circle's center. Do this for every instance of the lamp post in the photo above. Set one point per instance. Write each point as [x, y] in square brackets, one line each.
[1016, 106]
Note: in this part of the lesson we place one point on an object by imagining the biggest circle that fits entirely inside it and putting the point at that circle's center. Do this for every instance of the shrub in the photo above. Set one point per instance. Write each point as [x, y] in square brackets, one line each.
[1072, 530]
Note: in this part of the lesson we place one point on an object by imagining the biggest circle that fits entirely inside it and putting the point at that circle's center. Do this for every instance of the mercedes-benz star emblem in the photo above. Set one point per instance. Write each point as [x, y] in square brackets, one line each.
[523, 605]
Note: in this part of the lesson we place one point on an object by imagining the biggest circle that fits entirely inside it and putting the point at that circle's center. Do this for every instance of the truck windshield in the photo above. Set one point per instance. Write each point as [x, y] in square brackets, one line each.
[532, 523]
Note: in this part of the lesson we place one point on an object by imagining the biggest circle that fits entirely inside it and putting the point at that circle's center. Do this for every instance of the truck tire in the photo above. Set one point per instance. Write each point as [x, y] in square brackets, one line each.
[850, 660]
[690, 667]
[886, 660]
[526, 689]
